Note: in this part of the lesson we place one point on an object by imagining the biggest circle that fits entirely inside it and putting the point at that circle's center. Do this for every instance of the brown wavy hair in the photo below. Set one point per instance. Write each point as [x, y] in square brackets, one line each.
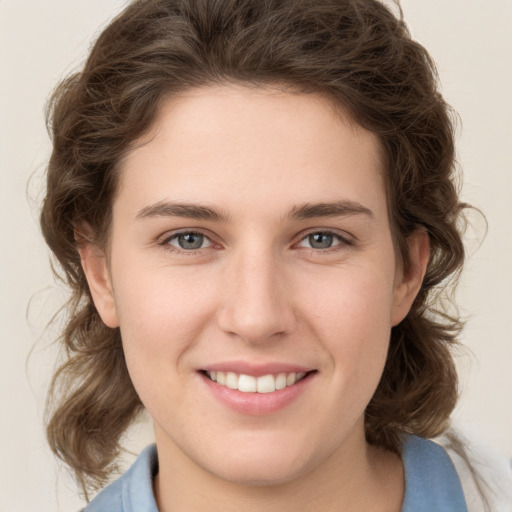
[357, 53]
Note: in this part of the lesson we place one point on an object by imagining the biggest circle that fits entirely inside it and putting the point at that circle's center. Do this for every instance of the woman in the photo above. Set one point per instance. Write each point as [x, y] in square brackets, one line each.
[254, 205]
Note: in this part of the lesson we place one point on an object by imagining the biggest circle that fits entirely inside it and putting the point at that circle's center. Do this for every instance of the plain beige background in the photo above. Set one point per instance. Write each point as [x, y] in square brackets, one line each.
[40, 41]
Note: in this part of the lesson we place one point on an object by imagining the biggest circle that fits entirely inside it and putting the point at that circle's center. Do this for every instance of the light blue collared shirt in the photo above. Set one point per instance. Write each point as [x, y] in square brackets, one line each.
[431, 482]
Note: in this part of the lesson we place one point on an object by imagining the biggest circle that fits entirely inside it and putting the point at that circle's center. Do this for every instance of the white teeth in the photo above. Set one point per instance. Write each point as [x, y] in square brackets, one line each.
[249, 384]
[232, 380]
[266, 384]
[281, 381]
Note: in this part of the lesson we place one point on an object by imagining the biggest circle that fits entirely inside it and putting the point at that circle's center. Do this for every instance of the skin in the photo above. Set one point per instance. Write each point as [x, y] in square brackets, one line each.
[257, 290]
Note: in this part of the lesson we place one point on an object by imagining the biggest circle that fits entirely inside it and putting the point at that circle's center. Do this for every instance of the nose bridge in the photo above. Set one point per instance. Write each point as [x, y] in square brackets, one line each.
[256, 305]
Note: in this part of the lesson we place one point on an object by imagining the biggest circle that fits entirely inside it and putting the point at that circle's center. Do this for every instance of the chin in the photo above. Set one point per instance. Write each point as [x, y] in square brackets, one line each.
[265, 475]
[260, 467]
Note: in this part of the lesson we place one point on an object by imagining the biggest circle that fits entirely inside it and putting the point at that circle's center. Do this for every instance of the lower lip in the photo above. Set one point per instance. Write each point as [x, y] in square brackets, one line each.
[258, 404]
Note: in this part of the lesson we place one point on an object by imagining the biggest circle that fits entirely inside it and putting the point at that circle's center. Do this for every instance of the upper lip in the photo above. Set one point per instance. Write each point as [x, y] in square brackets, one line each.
[255, 369]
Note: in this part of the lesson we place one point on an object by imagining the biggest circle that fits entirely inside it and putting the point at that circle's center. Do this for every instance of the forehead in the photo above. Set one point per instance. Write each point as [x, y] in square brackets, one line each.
[257, 143]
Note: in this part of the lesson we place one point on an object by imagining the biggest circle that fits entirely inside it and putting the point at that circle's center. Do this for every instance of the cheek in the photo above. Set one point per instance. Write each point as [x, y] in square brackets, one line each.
[353, 320]
[160, 318]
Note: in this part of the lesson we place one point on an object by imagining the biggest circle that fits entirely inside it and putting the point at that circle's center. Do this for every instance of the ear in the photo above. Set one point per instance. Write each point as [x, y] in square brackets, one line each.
[94, 264]
[409, 282]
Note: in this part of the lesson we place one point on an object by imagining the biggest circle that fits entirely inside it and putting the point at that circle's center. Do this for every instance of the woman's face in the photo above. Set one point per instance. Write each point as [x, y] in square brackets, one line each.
[251, 248]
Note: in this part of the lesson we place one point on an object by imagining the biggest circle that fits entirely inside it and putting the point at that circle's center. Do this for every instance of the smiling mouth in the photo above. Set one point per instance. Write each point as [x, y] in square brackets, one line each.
[250, 384]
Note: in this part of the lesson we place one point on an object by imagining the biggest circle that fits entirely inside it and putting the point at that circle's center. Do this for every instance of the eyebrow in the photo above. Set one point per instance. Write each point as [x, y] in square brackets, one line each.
[191, 211]
[209, 213]
[335, 209]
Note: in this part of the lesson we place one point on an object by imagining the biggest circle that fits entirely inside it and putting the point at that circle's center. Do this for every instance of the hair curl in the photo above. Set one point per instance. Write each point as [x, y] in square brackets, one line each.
[355, 52]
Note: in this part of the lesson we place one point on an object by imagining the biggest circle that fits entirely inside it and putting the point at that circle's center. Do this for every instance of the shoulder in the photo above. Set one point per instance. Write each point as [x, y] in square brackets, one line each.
[486, 477]
[133, 491]
[431, 481]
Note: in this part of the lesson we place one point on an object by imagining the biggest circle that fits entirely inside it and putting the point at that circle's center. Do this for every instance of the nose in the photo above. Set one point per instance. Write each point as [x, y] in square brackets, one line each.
[257, 302]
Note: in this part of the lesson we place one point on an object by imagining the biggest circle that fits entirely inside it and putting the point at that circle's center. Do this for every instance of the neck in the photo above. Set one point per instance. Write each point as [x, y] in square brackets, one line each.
[358, 478]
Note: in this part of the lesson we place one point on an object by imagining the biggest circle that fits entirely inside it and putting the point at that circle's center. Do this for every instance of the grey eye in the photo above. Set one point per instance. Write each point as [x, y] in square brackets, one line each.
[320, 240]
[189, 241]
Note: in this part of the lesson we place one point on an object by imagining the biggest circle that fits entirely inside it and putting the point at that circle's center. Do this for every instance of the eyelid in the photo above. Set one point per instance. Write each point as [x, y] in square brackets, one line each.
[344, 238]
[165, 239]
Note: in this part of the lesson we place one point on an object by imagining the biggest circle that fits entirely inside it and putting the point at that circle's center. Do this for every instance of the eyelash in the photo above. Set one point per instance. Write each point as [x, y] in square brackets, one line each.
[343, 242]
[167, 245]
